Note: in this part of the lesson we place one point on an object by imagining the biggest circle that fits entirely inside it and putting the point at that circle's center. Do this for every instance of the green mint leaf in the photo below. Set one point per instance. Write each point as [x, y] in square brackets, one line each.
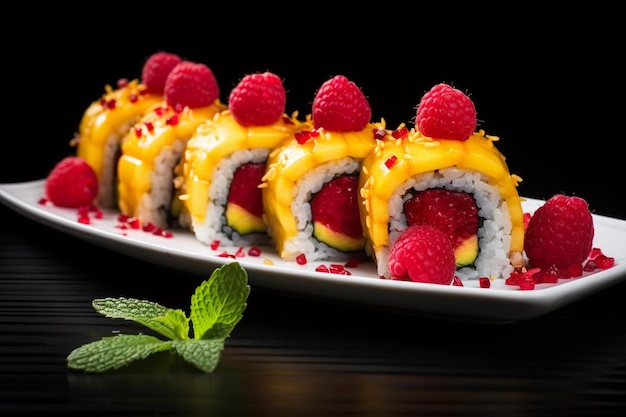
[217, 306]
[204, 354]
[220, 299]
[218, 331]
[114, 352]
[172, 324]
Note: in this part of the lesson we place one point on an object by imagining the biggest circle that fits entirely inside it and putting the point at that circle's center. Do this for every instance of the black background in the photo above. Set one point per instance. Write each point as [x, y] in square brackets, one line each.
[547, 83]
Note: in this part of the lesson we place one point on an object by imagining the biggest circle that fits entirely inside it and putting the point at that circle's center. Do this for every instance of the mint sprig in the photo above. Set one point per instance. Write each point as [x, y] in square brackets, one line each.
[217, 306]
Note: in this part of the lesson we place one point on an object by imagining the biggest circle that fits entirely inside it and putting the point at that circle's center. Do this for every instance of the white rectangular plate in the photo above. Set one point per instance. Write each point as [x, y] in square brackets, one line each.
[498, 304]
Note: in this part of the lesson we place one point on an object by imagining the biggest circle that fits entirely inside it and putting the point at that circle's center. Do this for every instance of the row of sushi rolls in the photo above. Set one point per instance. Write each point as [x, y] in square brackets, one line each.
[431, 200]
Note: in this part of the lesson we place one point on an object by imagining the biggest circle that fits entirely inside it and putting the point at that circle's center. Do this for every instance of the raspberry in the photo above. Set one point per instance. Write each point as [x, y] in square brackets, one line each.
[258, 100]
[192, 85]
[72, 183]
[422, 253]
[453, 212]
[559, 233]
[446, 113]
[340, 106]
[156, 69]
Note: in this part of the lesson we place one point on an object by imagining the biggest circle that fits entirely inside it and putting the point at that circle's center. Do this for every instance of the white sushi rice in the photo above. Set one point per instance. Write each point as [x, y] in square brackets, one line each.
[494, 233]
[304, 242]
[214, 226]
[155, 205]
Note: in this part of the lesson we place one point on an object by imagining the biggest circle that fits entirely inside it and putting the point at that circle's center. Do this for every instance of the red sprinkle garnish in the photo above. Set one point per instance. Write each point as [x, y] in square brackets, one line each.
[545, 276]
[254, 251]
[484, 282]
[573, 271]
[595, 252]
[301, 259]
[240, 253]
[604, 262]
[172, 121]
[133, 222]
[400, 133]
[379, 133]
[215, 244]
[84, 219]
[391, 161]
[336, 269]
[126, 222]
[527, 279]
[526, 283]
[303, 136]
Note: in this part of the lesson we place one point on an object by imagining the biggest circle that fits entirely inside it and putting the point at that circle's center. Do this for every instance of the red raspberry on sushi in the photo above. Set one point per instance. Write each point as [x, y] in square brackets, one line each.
[559, 233]
[422, 253]
[445, 112]
[339, 105]
[192, 85]
[453, 212]
[72, 183]
[258, 100]
[156, 69]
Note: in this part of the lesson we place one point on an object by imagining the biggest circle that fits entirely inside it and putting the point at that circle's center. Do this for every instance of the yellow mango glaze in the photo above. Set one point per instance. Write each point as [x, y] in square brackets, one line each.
[217, 139]
[418, 154]
[109, 118]
[157, 130]
[287, 164]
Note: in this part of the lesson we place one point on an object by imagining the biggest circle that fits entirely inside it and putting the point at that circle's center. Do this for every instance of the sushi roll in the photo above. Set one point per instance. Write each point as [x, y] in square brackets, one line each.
[445, 174]
[107, 120]
[310, 187]
[225, 161]
[154, 146]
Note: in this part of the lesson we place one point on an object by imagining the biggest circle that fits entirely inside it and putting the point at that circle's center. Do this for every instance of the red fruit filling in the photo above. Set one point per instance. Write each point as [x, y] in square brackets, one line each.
[245, 206]
[335, 212]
